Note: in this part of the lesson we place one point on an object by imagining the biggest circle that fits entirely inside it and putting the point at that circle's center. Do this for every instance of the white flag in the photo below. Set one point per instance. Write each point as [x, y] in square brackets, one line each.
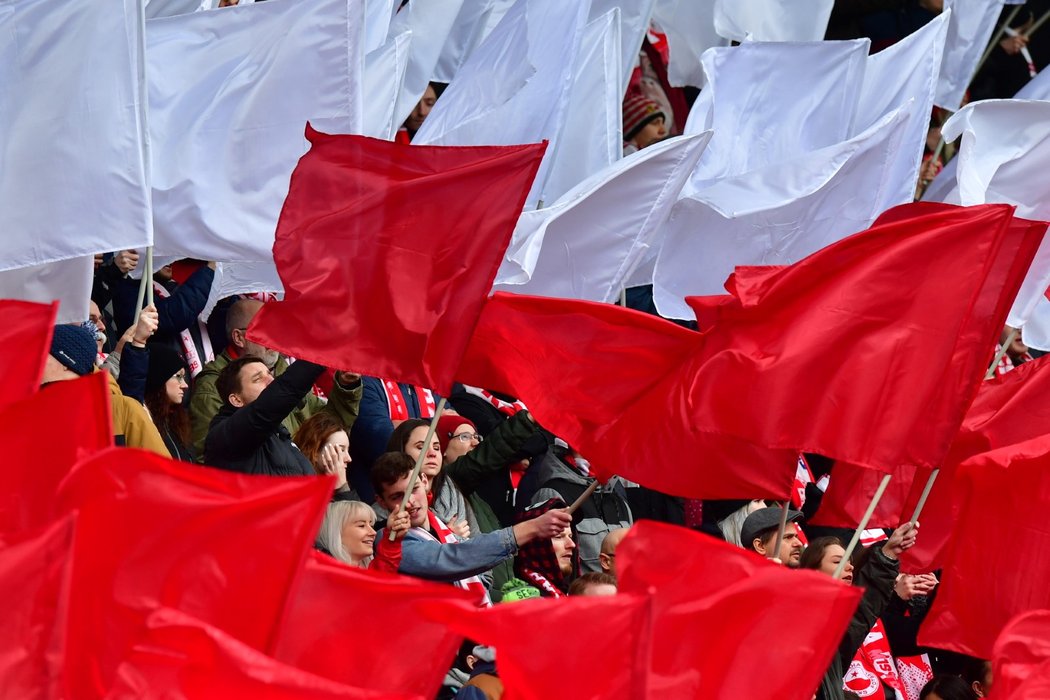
[587, 243]
[905, 71]
[230, 94]
[971, 27]
[383, 77]
[73, 170]
[775, 215]
[378, 14]
[242, 278]
[515, 87]
[772, 20]
[67, 281]
[170, 8]
[430, 22]
[690, 29]
[464, 36]
[634, 23]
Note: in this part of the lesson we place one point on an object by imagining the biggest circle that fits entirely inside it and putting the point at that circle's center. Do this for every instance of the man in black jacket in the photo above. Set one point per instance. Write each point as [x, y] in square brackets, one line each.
[246, 435]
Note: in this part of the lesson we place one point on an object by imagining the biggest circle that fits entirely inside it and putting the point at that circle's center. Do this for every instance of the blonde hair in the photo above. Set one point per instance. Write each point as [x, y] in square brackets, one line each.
[330, 537]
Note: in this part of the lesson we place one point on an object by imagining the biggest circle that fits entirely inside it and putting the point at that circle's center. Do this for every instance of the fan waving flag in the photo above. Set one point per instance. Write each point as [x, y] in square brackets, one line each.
[388, 251]
[25, 341]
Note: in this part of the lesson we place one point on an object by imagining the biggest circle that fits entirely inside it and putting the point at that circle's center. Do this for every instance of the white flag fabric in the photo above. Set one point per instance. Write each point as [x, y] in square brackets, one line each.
[515, 87]
[73, 174]
[170, 8]
[592, 137]
[969, 31]
[242, 278]
[383, 76]
[587, 243]
[905, 71]
[772, 20]
[67, 281]
[776, 215]
[689, 26]
[230, 93]
[634, 23]
[465, 35]
[430, 22]
[1038, 88]
[378, 14]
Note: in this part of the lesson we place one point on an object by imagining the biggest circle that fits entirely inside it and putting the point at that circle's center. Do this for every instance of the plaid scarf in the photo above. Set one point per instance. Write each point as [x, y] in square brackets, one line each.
[446, 536]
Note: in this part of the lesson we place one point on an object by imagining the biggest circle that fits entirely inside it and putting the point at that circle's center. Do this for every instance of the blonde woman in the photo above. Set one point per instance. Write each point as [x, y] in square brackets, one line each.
[348, 534]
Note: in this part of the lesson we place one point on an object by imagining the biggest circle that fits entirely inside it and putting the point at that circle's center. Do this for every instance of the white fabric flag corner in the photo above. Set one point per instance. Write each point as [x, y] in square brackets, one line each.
[67, 281]
[430, 22]
[689, 26]
[586, 245]
[74, 179]
[384, 75]
[634, 23]
[230, 92]
[772, 20]
[378, 14]
[170, 8]
[464, 36]
[969, 30]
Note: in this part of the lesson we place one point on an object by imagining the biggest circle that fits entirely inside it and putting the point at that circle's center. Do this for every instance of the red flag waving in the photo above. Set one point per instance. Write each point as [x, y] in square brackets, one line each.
[38, 457]
[152, 532]
[331, 599]
[716, 609]
[1021, 658]
[182, 658]
[387, 252]
[25, 341]
[998, 560]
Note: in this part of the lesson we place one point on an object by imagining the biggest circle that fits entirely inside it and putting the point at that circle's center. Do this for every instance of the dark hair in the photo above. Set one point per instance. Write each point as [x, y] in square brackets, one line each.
[975, 670]
[311, 435]
[948, 688]
[814, 553]
[398, 442]
[592, 578]
[389, 468]
[167, 416]
[229, 379]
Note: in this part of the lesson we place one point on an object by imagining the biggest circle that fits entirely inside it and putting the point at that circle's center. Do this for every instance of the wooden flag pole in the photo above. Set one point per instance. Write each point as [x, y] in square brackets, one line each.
[148, 273]
[925, 494]
[1010, 337]
[783, 528]
[419, 460]
[863, 525]
[143, 282]
[583, 497]
[1038, 23]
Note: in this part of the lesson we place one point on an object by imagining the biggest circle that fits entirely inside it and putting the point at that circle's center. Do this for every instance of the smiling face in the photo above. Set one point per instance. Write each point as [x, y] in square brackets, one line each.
[392, 494]
[358, 535]
[432, 459]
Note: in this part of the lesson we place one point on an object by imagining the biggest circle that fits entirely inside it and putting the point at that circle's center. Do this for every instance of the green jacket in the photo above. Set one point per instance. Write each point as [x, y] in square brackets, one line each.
[205, 402]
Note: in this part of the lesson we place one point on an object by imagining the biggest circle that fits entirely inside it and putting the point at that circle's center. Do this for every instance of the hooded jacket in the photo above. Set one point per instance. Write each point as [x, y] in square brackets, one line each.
[537, 563]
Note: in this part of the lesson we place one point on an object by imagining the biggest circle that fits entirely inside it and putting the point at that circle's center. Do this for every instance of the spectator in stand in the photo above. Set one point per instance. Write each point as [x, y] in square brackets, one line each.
[431, 551]
[548, 564]
[205, 400]
[607, 555]
[110, 269]
[643, 124]
[348, 534]
[978, 675]
[323, 440]
[419, 114]
[729, 516]
[166, 388]
[593, 583]
[1016, 352]
[947, 687]
[759, 533]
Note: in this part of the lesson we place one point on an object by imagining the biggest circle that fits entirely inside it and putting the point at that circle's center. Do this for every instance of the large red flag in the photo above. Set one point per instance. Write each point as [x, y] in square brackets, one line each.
[183, 658]
[25, 341]
[587, 647]
[1021, 658]
[34, 588]
[151, 532]
[998, 560]
[717, 610]
[387, 252]
[868, 351]
[331, 599]
[40, 448]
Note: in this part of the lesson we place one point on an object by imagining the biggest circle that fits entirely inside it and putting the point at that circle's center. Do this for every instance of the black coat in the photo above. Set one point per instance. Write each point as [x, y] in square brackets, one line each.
[252, 440]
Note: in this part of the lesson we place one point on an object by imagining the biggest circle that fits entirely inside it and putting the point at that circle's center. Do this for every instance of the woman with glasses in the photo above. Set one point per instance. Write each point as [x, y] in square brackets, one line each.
[166, 386]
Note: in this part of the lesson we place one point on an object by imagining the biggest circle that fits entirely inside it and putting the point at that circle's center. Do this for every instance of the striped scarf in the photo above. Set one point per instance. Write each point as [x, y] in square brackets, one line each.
[446, 536]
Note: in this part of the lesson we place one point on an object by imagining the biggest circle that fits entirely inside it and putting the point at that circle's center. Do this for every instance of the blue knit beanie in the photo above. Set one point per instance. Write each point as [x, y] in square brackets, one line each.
[75, 347]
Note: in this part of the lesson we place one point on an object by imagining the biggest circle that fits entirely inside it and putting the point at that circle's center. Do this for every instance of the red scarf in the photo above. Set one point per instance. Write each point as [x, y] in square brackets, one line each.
[399, 409]
[446, 536]
[543, 583]
[872, 666]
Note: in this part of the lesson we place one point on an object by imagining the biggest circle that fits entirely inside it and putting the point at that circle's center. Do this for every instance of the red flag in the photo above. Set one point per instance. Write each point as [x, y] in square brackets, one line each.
[34, 587]
[577, 647]
[851, 489]
[919, 301]
[332, 599]
[1021, 658]
[387, 252]
[998, 560]
[182, 658]
[38, 452]
[25, 341]
[153, 532]
[716, 610]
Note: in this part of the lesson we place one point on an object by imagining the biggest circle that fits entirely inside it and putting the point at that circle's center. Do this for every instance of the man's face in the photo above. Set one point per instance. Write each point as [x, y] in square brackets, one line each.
[422, 110]
[248, 347]
[254, 377]
[563, 546]
[95, 317]
[791, 547]
[417, 505]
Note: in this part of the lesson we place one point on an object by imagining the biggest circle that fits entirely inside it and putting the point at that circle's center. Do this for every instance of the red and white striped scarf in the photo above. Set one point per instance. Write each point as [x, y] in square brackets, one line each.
[447, 537]
[399, 409]
[189, 348]
[1005, 363]
[504, 407]
[543, 583]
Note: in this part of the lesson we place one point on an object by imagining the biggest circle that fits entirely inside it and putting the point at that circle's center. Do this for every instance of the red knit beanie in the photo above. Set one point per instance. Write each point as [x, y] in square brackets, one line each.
[637, 112]
[446, 425]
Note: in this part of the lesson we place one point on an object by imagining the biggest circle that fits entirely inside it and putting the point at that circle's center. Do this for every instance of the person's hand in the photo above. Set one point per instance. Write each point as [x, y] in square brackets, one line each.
[146, 327]
[902, 538]
[909, 586]
[332, 462]
[1012, 45]
[126, 260]
[398, 522]
[461, 528]
[346, 379]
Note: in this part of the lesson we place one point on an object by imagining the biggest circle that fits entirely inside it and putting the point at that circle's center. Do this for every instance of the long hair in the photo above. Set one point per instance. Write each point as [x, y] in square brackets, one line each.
[399, 442]
[330, 536]
[167, 416]
[312, 434]
[814, 553]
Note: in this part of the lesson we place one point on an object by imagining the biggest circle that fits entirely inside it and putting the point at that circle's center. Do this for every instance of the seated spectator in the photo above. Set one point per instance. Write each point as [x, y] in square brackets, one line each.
[431, 551]
[593, 583]
[323, 440]
[759, 533]
[947, 687]
[548, 564]
[607, 555]
[348, 534]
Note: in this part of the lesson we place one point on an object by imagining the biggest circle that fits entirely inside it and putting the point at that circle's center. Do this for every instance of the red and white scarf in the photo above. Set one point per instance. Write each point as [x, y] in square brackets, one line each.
[1006, 364]
[803, 476]
[447, 537]
[189, 348]
[504, 407]
[399, 409]
[872, 666]
[543, 583]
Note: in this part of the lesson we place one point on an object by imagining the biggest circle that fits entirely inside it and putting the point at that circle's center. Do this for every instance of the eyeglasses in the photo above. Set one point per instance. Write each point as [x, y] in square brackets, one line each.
[467, 437]
[179, 377]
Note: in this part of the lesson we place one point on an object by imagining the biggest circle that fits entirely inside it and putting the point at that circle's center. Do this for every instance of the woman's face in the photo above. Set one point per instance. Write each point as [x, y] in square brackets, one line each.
[358, 536]
[176, 387]
[432, 459]
[829, 562]
[464, 439]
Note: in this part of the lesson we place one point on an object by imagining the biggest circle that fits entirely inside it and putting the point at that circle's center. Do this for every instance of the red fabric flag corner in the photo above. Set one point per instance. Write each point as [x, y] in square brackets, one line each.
[25, 342]
[1021, 658]
[387, 252]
